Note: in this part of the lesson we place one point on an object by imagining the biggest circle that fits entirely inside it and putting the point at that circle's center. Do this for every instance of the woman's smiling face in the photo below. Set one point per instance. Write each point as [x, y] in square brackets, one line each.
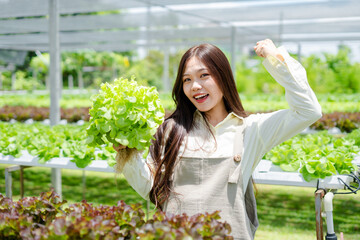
[201, 88]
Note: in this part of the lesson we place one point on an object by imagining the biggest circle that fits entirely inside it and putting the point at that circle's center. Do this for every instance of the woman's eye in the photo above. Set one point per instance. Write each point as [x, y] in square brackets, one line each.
[204, 75]
[186, 80]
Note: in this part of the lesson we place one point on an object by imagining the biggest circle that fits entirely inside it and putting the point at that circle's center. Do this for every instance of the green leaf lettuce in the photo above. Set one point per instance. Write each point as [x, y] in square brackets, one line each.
[124, 113]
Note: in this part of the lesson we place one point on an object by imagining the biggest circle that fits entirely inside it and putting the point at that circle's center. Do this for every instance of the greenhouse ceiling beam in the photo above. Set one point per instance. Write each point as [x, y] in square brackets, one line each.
[111, 46]
[305, 10]
[311, 37]
[25, 8]
[21, 8]
[170, 18]
[330, 26]
[119, 36]
[97, 22]
[346, 24]
[295, 38]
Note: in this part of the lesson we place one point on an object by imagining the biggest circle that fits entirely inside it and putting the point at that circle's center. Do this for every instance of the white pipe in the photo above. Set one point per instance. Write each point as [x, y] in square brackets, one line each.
[328, 207]
[55, 85]
[54, 73]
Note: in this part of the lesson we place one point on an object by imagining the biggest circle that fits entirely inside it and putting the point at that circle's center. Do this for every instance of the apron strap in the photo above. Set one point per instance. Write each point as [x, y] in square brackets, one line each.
[238, 153]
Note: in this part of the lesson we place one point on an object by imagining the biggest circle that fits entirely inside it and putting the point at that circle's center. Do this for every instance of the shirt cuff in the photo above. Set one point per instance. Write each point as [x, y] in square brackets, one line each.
[280, 58]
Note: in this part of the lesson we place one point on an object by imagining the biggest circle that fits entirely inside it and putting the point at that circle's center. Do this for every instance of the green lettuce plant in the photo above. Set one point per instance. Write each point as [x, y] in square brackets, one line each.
[316, 155]
[46, 217]
[124, 113]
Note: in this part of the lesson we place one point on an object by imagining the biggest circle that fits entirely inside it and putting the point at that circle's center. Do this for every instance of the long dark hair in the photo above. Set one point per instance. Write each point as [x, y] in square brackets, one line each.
[169, 136]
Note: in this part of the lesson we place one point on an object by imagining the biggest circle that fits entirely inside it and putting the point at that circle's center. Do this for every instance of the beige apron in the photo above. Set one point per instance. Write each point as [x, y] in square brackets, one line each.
[210, 184]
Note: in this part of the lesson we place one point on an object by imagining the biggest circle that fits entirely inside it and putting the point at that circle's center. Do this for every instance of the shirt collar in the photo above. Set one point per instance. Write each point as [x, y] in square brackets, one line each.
[197, 114]
[234, 114]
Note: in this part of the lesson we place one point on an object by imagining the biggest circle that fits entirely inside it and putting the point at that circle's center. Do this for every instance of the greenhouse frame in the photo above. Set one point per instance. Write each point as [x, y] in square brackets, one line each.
[167, 25]
[54, 26]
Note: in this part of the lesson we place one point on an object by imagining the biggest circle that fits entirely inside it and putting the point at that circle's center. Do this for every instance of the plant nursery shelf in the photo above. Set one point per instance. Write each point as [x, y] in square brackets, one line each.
[64, 162]
[265, 173]
[268, 173]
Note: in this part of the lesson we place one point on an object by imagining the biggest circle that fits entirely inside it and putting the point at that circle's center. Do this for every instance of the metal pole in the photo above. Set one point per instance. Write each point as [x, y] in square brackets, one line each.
[166, 70]
[147, 49]
[8, 179]
[80, 79]
[56, 180]
[299, 52]
[55, 87]
[21, 181]
[233, 51]
[70, 82]
[13, 80]
[148, 23]
[281, 26]
[54, 46]
[8, 183]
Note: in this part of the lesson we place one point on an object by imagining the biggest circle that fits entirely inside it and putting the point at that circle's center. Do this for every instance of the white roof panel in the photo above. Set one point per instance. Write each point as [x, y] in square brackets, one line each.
[172, 22]
[26, 8]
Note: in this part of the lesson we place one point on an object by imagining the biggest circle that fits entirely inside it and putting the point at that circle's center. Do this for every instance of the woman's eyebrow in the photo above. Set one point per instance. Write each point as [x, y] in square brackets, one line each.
[199, 70]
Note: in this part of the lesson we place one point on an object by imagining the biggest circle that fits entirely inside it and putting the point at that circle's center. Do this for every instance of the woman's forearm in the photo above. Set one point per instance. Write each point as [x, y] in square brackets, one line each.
[138, 175]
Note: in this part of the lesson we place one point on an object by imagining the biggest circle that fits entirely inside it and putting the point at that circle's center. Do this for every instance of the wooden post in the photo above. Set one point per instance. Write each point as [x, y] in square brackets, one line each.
[319, 194]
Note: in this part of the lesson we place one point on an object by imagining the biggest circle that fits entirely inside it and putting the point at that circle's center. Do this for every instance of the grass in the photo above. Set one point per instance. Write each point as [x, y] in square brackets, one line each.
[289, 213]
[284, 212]
[100, 188]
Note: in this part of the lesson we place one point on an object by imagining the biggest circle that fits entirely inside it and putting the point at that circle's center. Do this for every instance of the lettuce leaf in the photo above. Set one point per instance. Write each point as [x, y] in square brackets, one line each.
[124, 113]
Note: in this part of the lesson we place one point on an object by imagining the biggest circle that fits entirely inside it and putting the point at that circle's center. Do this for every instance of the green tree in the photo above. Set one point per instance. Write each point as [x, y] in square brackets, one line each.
[40, 67]
[252, 77]
[333, 73]
[148, 71]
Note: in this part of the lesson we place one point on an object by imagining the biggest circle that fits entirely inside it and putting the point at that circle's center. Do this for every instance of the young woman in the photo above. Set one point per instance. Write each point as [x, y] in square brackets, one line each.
[204, 154]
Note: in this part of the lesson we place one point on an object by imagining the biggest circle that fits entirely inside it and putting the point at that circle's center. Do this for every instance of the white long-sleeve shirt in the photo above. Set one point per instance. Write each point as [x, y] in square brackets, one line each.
[262, 131]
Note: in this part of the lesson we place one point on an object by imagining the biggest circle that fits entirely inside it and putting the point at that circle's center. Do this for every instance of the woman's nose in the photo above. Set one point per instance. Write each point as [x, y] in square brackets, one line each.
[196, 86]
